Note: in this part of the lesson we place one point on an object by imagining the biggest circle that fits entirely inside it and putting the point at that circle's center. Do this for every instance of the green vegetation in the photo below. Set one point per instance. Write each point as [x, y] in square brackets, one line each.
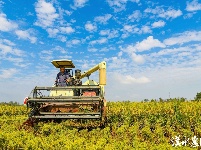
[131, 125]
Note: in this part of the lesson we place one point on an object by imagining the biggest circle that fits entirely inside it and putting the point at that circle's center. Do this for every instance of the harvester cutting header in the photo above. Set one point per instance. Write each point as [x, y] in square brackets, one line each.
[69, 98]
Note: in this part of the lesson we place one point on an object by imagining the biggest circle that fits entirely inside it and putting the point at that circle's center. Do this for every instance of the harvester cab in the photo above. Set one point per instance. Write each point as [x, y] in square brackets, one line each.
[76, 101]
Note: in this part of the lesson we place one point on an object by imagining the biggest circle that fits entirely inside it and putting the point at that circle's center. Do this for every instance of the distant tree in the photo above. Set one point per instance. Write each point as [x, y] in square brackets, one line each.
[182, 99]
[161, 100]
[145, 100]
[198, 96]
[153, 100]
[10, 103]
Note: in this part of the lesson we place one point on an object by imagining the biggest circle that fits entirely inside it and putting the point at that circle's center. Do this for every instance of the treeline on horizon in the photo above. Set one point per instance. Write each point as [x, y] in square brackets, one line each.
[182, 99]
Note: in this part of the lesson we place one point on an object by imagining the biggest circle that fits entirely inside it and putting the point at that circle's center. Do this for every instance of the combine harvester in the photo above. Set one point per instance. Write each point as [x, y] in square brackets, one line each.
[76, 102]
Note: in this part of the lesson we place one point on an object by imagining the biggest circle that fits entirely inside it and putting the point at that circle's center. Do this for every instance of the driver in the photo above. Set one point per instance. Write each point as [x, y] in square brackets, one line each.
[62, 77]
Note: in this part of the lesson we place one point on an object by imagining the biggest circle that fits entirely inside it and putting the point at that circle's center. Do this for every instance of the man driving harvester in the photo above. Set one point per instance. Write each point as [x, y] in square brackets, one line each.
[62, 77]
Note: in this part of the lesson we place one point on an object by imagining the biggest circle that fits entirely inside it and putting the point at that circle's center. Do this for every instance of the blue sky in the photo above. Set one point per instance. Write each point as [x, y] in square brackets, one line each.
[152, 48]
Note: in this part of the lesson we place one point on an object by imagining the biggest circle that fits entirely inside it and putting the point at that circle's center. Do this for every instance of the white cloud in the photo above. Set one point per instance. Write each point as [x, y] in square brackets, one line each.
[117, 63]
[193, 5]
[135, 16]
[72, 20]
[104, 32]
[109, 33]
[128, 28]
[75, 42]
[17, 61]
[64, 30]
[113, 34]
[99, 41]
[130, 79]
[68, 12]
[139, 59]
[120, 54]
[60, 49]
[167, 14]
[5, 24]
[158, 24]
[185, 37]
[46, 55]
[6, 47]
[8, 73]
[146, 44]
[80, 3]
[103, 19]
[145, 29]
[92, 49]
[189, 15]
[171, 14]
[25, 35]
[119, 5]
[7, 42]
[46, 14]
[67, 30]
[106, 49]
[90, 27]
[52, 32]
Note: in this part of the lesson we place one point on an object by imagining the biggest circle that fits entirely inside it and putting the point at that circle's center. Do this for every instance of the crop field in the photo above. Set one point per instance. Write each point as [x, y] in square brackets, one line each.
[131, 125]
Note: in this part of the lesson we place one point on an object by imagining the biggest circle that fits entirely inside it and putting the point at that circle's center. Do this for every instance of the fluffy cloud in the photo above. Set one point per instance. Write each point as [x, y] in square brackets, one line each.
[171, 13]
[8, 73]
[185, 37]
[135, 16]
[128, 79]
[109, 33]
[99, 41]
[128, 29]
[80, 3]
[46, 14]
[139, 59]
[75, 42]
[145, 29]
[193, 6]
[52, 32]
[167, 14]
[7, 47]
[92, 49]
[148, 44]
[67, 30]
[90, 27]
[64, 30]
[46, 55]
[25, 35]
[17, 61]
[119, 5]
[5, 24]
[144, 45]
[158, 24]
[103, 19]
[104, 32]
